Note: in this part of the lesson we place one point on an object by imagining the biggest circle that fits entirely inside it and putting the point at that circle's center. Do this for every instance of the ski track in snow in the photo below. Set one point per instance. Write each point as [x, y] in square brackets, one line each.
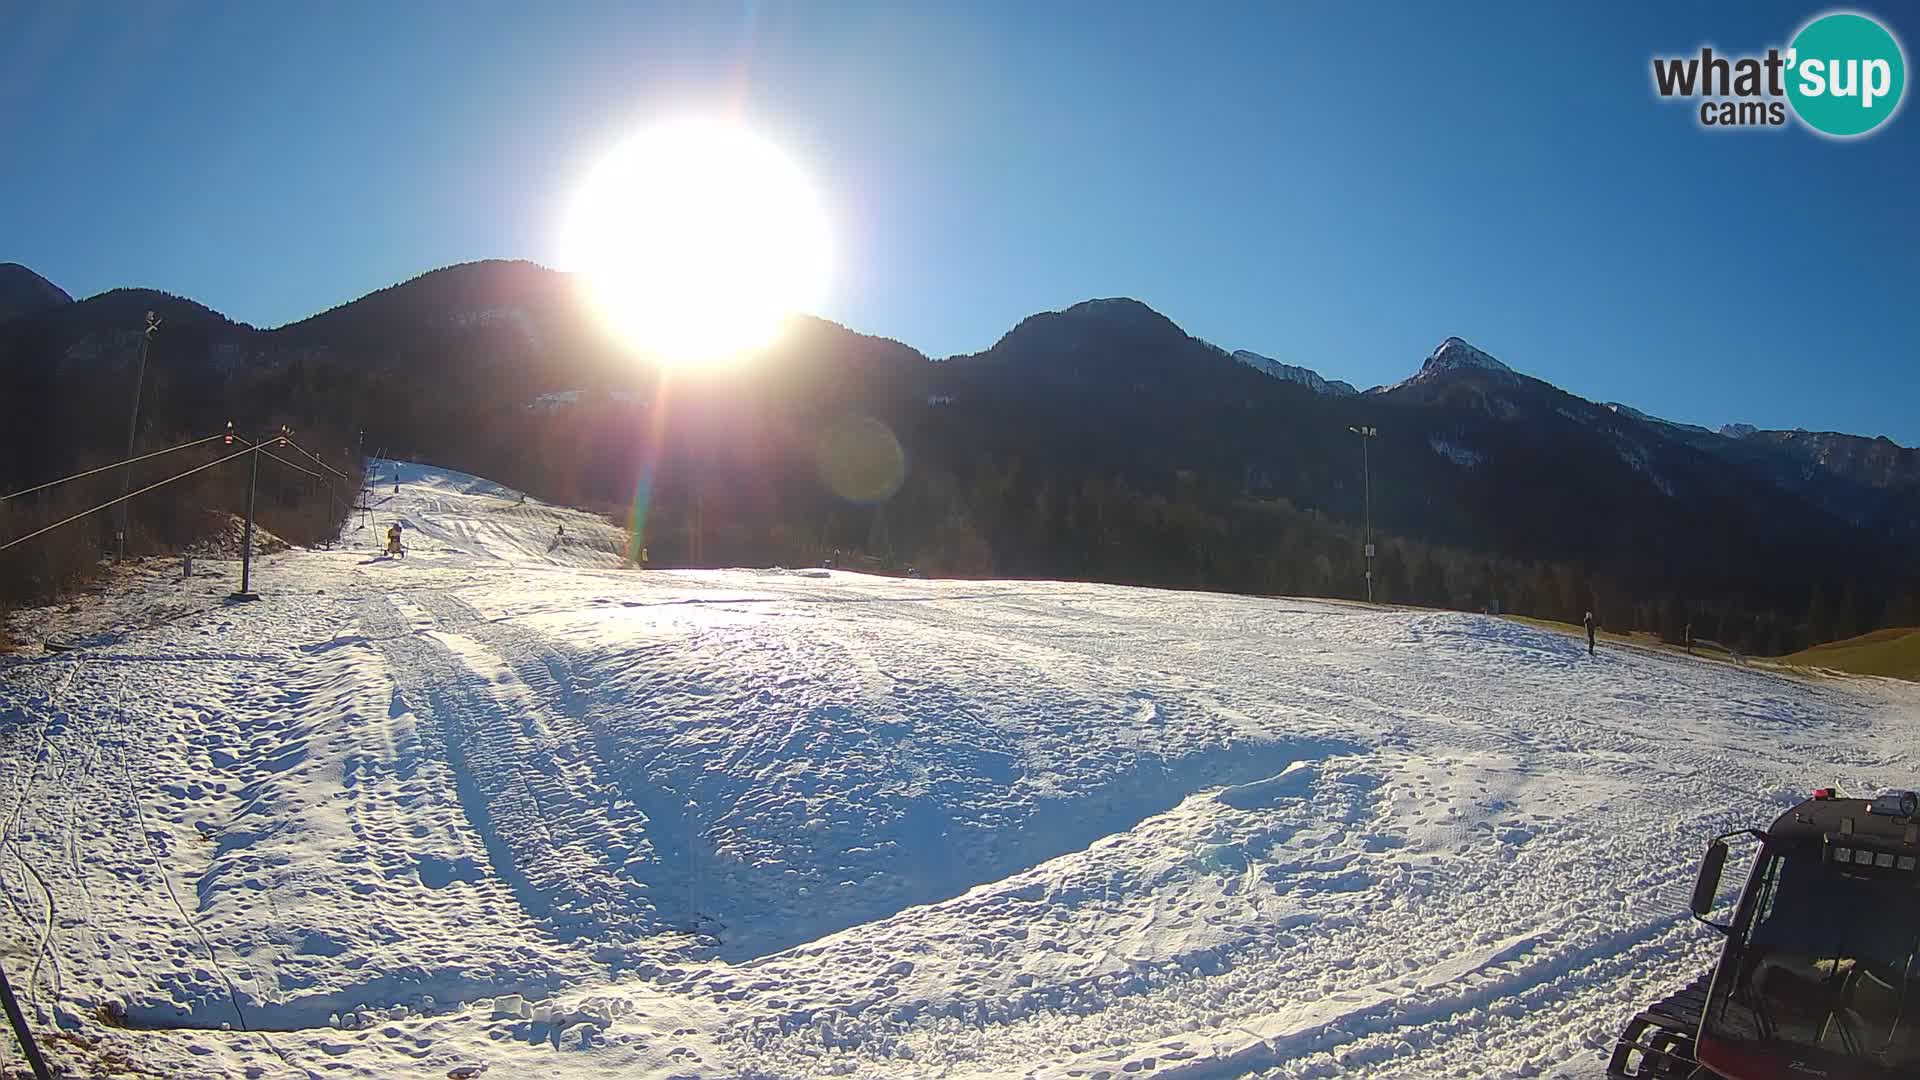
[798, 824]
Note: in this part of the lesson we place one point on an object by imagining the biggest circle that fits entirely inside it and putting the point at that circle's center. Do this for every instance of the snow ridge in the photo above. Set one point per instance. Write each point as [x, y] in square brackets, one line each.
[1648, 418]
[1306, 377]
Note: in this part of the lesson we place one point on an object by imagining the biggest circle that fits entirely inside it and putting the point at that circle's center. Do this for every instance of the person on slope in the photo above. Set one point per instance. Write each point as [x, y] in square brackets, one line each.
[1591, 623]
[393, 539]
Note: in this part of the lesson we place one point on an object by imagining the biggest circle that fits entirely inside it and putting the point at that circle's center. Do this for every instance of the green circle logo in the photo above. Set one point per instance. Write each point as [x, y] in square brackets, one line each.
[1846, 74]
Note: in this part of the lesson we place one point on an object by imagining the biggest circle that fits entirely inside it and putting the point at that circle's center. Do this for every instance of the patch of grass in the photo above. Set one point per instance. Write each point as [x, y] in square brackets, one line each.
[1892, 633]
[97, 1060]
[1892, 652]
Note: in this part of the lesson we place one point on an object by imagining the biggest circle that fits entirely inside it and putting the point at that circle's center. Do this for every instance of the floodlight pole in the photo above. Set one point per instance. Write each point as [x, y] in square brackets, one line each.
[133, 426]
[1367, 434]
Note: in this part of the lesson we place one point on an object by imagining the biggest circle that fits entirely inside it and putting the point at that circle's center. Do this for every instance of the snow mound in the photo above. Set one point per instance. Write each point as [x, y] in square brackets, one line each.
[1291, 783]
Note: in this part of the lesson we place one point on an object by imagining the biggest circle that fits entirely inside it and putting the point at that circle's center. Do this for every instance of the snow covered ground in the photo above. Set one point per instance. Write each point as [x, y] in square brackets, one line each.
[503, 806]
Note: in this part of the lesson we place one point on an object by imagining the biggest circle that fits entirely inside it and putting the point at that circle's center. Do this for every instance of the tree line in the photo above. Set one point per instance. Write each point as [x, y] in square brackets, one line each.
[720, 501]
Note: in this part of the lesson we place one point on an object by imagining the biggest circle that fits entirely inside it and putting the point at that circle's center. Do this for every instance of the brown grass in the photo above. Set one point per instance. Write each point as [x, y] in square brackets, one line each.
[1894, 652]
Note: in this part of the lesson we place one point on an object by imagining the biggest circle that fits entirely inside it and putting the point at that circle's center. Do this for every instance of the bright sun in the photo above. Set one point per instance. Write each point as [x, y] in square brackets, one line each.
[697, 239]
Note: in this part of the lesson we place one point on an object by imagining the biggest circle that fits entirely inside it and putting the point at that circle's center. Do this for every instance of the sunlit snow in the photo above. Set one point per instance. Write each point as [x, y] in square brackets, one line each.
[504, 804]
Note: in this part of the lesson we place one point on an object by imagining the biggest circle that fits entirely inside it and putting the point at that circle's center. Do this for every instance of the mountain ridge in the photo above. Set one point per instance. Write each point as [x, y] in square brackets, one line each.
[527, 328]
[23, 291]
[1232, 474]
[1454, 353]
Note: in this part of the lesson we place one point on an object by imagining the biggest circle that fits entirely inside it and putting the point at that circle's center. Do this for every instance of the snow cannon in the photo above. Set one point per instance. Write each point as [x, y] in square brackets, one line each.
[1820, 972]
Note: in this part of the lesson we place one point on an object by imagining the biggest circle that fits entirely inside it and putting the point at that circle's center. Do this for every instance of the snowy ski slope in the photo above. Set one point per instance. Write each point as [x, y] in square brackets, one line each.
[504, 807]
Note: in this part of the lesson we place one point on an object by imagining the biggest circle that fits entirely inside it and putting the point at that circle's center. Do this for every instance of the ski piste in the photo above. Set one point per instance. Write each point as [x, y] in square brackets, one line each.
[528, 812]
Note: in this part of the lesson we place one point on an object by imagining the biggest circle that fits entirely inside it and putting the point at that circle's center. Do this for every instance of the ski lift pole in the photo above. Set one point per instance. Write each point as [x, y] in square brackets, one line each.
[246, 543]
[20, 1030]
[133, 426]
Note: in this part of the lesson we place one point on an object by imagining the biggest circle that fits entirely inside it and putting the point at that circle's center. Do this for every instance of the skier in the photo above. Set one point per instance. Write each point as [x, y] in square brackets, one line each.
[393, 540]
[1591, 623]
[1689, 636]
[559, 532]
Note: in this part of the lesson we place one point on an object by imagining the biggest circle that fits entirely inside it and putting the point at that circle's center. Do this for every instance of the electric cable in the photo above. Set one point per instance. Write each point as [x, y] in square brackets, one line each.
[288, 440]
[104, 468]
[123, 498]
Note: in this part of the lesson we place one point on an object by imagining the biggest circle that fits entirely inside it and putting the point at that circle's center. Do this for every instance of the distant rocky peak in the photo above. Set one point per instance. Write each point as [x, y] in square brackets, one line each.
[1455, 354]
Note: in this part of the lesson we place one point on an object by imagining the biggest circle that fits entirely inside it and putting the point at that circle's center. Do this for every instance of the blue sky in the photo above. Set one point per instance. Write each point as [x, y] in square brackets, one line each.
[1340, 186]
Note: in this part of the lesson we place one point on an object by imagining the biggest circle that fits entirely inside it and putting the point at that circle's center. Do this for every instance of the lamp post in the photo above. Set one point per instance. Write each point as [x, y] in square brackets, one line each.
[1367, 434]
[133, 425]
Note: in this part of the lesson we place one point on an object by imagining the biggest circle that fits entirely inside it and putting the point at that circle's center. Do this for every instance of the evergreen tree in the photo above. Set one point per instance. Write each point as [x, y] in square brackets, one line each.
[1847, 616]
[1390, 576]
[1904, 611]
[1819, 616]
[1430, 583]
[1674, 620]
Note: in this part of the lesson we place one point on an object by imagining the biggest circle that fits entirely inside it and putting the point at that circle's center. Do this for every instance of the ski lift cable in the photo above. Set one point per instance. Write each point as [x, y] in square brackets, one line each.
[123, 498]
[315, 458]
[262, 448]
[288, 441]
[292, 466]
[104, 468]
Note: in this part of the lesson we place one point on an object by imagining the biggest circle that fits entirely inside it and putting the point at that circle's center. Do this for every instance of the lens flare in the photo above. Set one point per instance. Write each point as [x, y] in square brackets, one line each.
[860, 460]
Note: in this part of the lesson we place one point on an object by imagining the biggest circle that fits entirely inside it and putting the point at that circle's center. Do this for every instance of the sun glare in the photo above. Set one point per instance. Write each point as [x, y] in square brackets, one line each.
[697, 239]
